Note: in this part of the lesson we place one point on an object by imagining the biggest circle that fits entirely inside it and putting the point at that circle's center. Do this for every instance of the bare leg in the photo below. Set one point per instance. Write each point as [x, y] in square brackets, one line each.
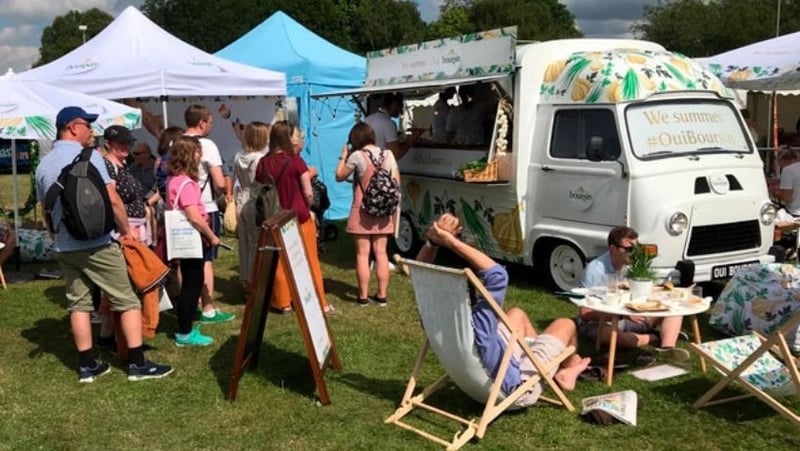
[670, 329]
[131, 322]
[519, 320]
[381, 263]
[362, 264]
[81, 330]
[206, 295]
[564, 329]
[625, 339]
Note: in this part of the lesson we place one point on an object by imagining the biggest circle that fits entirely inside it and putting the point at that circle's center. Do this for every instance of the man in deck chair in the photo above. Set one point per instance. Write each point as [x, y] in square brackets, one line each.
[491, 338]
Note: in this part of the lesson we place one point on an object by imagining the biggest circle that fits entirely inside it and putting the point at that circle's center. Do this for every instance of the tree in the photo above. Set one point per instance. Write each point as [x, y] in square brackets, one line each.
[453, 21]
[703, 28]
[63, 35]
[379, 24]
[536, 19]
[211, 26]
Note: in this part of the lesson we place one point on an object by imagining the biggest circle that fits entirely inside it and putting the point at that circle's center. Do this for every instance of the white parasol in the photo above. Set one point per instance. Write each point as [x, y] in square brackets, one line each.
[28, 111]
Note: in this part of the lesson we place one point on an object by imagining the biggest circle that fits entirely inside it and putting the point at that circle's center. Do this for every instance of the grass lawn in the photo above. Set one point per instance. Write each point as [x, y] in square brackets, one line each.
[43, 405]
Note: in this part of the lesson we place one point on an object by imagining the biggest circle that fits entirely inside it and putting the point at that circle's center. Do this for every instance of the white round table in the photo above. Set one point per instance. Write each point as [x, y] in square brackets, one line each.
[678, 308]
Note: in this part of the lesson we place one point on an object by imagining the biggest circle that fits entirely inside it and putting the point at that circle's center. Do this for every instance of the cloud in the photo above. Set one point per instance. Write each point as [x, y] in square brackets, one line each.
[606, 18]
[20, 34]
[19, 58]
[22, 22]
[48, 9]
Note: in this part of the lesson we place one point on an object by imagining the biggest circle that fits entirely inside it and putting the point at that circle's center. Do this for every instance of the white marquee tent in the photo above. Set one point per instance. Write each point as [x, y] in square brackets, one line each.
[769, 65]
[134, 57]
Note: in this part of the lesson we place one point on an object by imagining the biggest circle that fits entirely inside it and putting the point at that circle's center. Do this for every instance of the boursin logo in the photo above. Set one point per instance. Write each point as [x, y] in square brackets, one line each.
[195, 62]
[581, 197]
[451, 57]
[86, 66]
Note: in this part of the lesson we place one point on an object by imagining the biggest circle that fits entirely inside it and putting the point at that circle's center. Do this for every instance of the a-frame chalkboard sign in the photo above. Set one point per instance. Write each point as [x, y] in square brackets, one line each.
[281, 239]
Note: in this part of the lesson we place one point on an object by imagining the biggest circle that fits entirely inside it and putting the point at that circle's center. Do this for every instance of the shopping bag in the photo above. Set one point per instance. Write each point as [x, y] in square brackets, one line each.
[164, 302]
[183, 240]
[229, 218]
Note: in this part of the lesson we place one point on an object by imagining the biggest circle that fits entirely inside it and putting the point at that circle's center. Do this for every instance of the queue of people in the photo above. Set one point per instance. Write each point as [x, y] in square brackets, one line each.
[189, 163]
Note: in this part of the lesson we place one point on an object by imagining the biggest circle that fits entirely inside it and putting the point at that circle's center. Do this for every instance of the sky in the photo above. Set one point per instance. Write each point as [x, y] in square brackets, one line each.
[22, 21]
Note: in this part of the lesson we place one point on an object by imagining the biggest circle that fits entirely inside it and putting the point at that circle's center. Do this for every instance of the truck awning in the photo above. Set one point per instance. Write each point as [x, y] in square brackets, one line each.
[416, 88]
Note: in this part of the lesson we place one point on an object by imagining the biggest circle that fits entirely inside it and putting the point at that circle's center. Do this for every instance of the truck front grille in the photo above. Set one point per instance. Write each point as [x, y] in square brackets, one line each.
[720, 238]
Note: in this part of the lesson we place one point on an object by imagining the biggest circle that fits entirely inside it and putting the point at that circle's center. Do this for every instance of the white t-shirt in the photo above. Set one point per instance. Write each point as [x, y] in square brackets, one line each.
[210, 159]
[790, 179]
[385, 130]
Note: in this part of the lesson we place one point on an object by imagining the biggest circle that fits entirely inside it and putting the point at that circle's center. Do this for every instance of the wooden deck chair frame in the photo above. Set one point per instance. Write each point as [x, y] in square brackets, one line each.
[774, 343]
[496, 403]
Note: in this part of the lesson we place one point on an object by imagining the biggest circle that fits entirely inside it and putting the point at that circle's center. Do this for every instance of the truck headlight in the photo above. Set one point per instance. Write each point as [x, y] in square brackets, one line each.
[677, 223]
[767, 213]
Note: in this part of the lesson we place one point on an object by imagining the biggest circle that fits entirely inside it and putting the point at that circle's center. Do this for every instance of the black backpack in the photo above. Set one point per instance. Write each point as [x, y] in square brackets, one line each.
[265, 196]
[382, 194]
[321, 201]
[84, 198]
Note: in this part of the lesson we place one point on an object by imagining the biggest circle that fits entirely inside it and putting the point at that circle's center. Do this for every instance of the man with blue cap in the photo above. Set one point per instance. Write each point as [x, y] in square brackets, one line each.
[97, 262]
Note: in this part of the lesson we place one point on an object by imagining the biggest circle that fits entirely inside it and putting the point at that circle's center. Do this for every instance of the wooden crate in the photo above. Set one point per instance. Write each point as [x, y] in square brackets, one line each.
[487, 174]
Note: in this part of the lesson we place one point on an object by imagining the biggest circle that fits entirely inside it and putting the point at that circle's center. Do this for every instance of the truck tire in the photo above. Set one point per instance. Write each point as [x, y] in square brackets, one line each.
[563, 265]
[407, 242]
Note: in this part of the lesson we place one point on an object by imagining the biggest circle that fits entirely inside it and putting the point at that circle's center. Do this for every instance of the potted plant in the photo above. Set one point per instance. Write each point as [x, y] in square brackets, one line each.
[640, 273]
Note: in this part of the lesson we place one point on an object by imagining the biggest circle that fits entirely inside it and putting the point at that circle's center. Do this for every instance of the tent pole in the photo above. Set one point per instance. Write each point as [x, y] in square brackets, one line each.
[15, 191]
[164, 111]
[774, 111]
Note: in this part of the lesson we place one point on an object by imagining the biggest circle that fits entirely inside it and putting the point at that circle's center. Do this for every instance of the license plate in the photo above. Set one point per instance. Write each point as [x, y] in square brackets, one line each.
[726, 271]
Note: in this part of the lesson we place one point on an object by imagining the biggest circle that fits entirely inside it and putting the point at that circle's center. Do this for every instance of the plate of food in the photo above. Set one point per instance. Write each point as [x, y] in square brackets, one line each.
[647, 306]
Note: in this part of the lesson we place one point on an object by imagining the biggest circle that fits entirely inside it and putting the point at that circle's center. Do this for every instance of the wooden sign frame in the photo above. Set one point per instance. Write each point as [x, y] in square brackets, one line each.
[262, 280]
[281, 239]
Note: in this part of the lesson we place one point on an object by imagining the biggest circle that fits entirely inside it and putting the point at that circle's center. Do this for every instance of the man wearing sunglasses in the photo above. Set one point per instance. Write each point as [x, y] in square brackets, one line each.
[634, 331]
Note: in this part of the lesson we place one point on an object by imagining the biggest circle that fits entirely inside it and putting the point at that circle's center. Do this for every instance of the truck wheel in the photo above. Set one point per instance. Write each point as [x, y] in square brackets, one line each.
[407, 243]
[564, 265]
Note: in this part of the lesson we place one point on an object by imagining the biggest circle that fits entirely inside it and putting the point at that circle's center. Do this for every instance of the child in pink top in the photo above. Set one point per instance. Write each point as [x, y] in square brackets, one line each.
[183, 193]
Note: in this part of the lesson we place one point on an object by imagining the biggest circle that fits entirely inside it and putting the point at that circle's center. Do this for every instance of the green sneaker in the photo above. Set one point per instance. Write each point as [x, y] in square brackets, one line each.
[193, 338]
[219, 317]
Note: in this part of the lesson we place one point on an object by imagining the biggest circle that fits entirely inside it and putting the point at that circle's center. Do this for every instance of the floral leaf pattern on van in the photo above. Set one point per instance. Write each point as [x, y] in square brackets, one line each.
[623, 75]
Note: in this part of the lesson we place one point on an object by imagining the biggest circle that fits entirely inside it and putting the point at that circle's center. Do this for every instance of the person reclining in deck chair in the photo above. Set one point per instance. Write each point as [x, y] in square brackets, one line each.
[491, 338]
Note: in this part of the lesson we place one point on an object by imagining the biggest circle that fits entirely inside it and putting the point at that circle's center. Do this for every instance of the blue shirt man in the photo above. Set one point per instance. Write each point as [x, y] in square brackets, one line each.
[87, 264]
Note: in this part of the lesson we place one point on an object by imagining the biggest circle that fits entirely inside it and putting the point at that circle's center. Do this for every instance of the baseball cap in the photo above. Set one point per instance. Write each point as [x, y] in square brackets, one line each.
[118, 134]
[70, 113]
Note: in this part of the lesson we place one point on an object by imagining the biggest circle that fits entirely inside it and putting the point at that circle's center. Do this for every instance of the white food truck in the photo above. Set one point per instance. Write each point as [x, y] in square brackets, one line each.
[582, 135]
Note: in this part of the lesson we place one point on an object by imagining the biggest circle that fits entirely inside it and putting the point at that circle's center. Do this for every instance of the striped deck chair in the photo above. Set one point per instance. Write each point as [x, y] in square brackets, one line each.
[763, 366]
[443, 301]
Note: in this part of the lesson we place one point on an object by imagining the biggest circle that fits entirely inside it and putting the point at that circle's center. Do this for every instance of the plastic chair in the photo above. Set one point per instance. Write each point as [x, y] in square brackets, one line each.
[763, 366]
[443, 301]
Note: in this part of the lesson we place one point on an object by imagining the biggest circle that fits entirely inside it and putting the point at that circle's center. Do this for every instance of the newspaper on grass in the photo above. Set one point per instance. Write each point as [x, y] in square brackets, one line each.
[620, 405]
[657, 373]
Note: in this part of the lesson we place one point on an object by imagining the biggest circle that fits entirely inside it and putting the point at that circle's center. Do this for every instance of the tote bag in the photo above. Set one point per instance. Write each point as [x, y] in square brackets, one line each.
[183, 240]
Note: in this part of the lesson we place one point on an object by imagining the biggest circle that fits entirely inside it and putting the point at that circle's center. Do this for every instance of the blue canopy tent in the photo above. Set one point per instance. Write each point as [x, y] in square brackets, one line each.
[312, 66]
